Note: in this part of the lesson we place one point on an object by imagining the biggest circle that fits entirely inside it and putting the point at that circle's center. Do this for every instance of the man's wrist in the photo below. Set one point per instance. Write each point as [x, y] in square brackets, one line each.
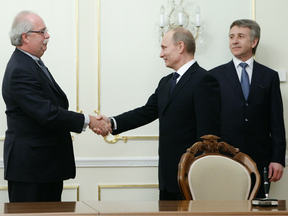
[112, 123]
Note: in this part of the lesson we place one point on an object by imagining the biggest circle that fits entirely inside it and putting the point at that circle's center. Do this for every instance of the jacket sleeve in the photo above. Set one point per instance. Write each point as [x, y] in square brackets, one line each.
[29, 96]
[139, 116]
[277, 123]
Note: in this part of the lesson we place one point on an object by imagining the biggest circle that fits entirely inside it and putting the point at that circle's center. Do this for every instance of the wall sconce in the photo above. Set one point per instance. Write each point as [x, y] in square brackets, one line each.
[178, 16]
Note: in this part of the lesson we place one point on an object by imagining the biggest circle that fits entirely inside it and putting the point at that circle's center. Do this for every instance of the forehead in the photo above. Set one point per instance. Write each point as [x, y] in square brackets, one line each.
[37, 21]
[235, 30]
[167, 38]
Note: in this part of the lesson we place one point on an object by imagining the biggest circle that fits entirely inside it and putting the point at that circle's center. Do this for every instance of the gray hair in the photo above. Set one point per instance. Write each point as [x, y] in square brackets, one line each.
[182, 34]
[253, 26]
[20, 25]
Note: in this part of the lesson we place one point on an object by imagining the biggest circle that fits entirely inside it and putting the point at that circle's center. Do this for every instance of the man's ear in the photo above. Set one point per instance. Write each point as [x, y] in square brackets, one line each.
[181, 46]
[255, 42]
[24, 38]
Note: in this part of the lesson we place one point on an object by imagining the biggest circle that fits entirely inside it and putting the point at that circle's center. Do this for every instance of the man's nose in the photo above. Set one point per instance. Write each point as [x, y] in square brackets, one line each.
[235, 41]
[47, 35]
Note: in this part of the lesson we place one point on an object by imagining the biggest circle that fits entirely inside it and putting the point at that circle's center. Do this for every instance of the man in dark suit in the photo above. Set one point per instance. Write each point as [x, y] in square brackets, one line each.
[254, 124]
[190, 111]
[38, 151]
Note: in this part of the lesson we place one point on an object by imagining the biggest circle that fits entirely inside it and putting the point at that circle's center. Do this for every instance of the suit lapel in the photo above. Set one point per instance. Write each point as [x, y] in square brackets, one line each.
[232, 78]
[181, 83]
[168, 86]
[53, 85]
[257, 76]
[45, 76]
[184, 79]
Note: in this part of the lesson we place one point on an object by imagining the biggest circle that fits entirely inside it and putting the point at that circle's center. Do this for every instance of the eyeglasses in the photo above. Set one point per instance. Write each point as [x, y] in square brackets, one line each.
[43, 32]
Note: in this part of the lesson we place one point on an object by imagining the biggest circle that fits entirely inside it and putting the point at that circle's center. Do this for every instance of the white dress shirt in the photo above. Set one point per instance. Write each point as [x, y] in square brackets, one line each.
[249, 67]
[184, 68]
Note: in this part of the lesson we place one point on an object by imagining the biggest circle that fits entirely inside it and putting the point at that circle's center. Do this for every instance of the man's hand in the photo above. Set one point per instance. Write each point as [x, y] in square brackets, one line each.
[104, 118]
[275, 171]
[105, 121]
[100, 126]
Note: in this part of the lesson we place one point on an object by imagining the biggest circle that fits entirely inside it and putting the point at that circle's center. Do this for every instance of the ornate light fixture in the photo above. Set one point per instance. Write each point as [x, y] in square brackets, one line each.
[178, 16]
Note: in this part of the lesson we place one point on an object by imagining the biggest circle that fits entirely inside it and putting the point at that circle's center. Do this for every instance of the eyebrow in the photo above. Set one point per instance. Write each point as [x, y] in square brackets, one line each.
[236, 34]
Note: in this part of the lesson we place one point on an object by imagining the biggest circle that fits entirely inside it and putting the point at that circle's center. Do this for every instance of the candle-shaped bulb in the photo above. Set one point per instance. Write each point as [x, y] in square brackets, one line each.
[180, 15]
[197, 11]
[162, 13]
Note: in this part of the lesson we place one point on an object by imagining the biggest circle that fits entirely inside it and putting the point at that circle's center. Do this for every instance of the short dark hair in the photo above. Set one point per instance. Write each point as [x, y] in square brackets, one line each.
[253, 26]
[182, 34]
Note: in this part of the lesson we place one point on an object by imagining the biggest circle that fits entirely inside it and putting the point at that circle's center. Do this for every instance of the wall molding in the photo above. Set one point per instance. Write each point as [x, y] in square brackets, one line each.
[117, 162]
[112, 162]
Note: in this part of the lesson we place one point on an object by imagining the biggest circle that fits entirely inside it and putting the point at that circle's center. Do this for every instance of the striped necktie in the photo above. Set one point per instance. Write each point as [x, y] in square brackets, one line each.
[245, 80]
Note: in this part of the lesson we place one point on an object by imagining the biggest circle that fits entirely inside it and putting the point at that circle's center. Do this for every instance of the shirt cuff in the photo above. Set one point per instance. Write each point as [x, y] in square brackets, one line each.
[115, 123]
[86, 121]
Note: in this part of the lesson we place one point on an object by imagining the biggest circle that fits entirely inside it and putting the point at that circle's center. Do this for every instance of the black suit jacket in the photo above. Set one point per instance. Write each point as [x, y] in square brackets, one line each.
[192, 110]
[38, 146]
[255, 126]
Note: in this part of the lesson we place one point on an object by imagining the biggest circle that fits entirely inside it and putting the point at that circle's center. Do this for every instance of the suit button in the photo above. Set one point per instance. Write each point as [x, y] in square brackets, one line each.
[246, 120]
[247, 104]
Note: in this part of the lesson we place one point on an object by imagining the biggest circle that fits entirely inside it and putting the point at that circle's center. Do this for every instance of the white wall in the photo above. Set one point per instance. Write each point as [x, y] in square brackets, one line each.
[129, 69]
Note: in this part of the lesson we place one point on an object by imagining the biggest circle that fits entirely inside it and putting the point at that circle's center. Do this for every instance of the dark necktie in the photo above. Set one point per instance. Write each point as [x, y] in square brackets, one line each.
[173, 83]
[244, 80]
[44, 68]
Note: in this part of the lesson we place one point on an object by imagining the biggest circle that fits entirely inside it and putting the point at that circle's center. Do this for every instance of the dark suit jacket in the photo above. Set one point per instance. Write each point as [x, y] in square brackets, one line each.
[256, 127]
[192, 110]
[38, 146]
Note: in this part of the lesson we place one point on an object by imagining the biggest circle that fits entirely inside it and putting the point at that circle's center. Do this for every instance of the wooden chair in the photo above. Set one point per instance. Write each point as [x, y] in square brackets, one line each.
[222, 172]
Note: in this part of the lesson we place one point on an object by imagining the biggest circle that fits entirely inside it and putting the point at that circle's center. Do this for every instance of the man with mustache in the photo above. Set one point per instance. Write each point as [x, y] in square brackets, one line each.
[38, 151]
[252, 115]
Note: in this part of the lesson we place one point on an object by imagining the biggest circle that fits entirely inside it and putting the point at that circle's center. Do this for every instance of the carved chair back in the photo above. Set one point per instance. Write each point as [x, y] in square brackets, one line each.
[221, 172]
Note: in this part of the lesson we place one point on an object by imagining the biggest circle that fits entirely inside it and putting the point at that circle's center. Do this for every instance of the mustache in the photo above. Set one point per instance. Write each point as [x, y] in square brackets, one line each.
[45, 41]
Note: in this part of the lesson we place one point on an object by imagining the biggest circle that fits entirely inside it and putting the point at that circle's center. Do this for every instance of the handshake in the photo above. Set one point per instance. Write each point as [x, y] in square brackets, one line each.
[100, 125]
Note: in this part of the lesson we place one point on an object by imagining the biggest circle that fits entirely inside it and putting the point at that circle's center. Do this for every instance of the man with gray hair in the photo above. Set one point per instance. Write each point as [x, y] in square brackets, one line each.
[252, 109]
[38, 151]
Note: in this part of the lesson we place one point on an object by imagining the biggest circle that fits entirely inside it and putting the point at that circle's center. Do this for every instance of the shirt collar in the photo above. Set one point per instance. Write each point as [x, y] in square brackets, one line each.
[32, 56]
[185, 67]
[237, 62]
